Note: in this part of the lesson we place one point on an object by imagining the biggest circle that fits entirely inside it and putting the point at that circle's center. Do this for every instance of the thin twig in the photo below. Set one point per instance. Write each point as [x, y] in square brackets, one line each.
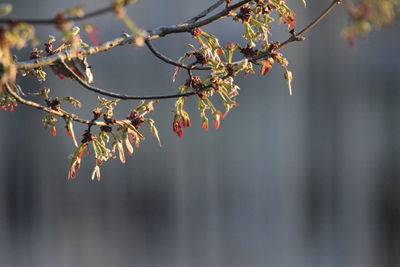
[293, 38]
[170, 61]
[296, 37]
[120, 96]
[44, 61]
[205, 12]
[60, 114]
[92, 14]
[165, 30]
[127, 39]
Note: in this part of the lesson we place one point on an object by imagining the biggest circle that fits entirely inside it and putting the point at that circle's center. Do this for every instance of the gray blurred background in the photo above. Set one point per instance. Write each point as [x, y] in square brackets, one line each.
[307, 180]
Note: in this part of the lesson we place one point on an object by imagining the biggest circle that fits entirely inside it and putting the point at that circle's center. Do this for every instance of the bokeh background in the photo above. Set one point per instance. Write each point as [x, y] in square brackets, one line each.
[307, 180]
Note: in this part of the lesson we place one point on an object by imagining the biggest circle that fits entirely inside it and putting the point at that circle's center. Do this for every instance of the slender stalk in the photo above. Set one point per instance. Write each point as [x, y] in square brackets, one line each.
[297, 37]
[60, 114]
[314, 23]
[99, 12]
[170, 61]
[166, 30]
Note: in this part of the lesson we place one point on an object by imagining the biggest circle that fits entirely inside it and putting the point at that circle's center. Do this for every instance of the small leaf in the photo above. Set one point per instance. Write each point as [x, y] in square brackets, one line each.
[154, 131]
[289, 78]
[96, 173]
[121, 152]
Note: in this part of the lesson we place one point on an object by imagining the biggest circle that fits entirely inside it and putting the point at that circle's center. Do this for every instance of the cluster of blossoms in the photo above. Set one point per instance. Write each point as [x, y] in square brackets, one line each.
[211, 67]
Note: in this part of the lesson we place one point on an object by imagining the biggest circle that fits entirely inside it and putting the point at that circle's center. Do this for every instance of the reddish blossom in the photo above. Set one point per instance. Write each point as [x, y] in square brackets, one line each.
[186, 122]
[291, 21]
[204, 125]
[53, 131]
[196, 32]
[177, 128]
[11, 107]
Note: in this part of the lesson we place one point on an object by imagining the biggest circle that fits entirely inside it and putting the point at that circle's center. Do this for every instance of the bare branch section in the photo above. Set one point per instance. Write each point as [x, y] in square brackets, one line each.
[121, 96]
[96, 13]
[66, 55]
[314, 23]
[170, 61]
[206, 12]
[49, 110]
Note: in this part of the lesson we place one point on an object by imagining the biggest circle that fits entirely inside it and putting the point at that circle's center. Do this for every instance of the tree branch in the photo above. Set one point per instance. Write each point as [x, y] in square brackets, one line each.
[314, 23]
[127, 39]
[160, 32]
[121, 96]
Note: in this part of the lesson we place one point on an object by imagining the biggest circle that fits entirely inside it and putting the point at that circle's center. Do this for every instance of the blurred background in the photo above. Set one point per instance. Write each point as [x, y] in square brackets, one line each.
[307, 180]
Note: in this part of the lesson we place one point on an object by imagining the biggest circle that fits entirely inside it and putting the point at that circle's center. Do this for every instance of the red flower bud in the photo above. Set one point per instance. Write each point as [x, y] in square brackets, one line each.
[53, 131]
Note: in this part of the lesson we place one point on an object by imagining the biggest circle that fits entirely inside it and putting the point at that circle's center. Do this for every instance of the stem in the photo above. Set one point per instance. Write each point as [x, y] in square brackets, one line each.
[205, 12]
[170, 61]
[295, 37]
[314, 23]
[121, 96]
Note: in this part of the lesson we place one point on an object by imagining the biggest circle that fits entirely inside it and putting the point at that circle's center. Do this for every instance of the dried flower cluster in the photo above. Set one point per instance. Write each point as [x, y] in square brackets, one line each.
[107, 137]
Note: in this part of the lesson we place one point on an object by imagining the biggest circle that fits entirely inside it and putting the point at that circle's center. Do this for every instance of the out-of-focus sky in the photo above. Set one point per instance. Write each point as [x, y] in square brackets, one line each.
[307, 180]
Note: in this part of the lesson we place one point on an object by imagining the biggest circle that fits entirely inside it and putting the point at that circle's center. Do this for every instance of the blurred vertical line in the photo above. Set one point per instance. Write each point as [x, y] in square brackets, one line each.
[181, 202]
[213, 207]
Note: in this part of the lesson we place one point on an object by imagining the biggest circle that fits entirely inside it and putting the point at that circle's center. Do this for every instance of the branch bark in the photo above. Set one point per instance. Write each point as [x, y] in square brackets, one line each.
[161, 32]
